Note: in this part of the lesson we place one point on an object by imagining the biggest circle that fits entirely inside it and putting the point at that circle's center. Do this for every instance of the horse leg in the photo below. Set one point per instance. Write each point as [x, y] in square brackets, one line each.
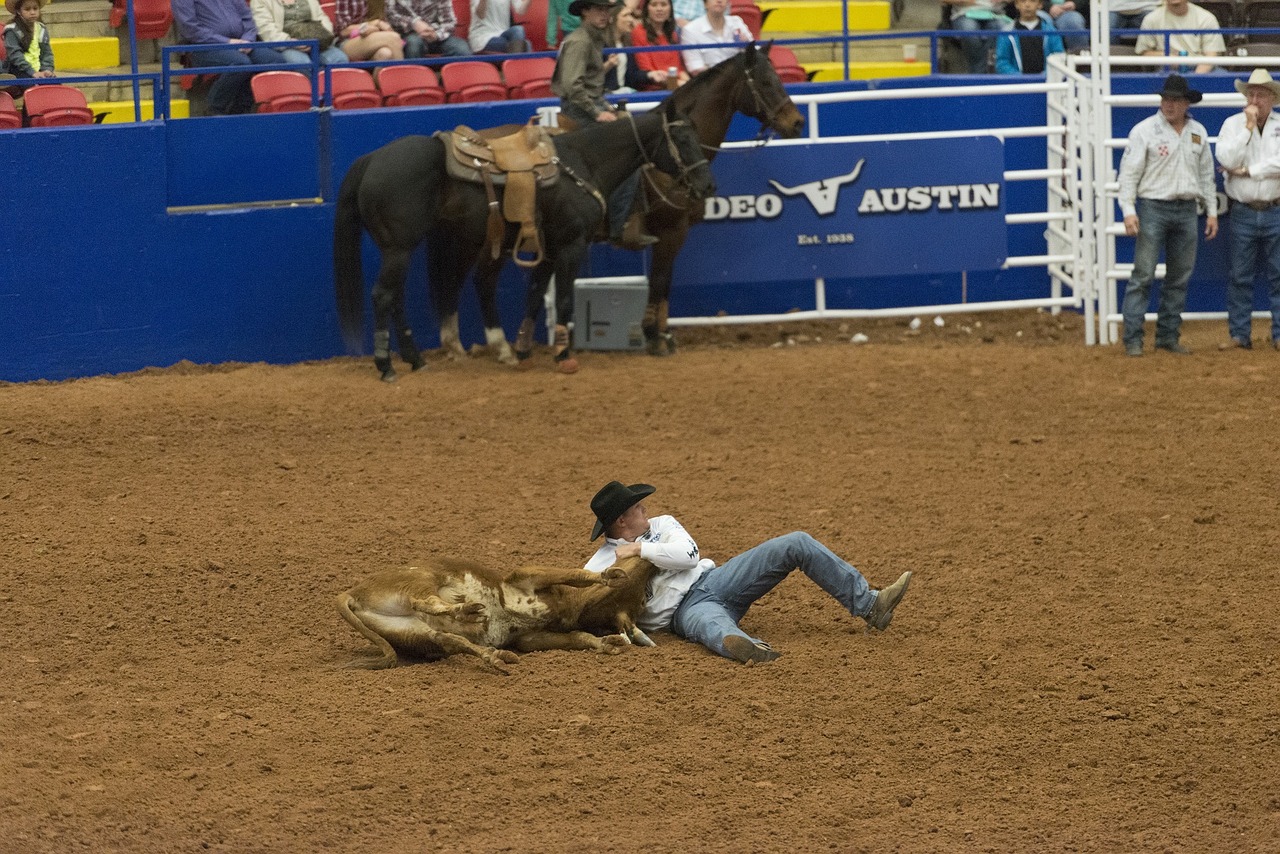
[388, 305]
[449, 267]
[658, 340]
[539, 281]
[487, 291]
[568, 263]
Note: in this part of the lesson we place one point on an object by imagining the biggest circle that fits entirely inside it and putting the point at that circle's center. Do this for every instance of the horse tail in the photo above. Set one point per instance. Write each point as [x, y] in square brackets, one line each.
[348, 273]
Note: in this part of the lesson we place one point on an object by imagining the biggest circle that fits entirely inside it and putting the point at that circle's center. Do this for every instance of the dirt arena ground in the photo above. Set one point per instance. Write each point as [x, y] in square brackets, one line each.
[1086, 660]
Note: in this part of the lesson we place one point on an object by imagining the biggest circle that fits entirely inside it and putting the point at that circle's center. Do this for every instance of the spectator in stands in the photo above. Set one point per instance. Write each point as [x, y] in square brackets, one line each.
[1166, 172]
[559, 21]
[492, 29]
[1071, 23]
[427, 27]
[282, 20]
[1182, 15]
[686, 11]
[621, 73]
[364, 38]
[657, 27]
[26, 41]
[714, 27]
[1249, 152]
[579, 80]
[1022, 49]
[228, 23]
[1128, 15]
[972, 16]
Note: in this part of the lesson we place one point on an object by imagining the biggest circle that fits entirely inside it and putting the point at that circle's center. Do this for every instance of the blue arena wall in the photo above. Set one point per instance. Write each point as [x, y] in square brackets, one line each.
[111, 265]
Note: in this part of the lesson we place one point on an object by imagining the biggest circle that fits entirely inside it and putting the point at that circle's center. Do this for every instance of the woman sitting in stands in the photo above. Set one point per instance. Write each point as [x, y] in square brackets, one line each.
[658, 27]
[493, 29]
[284, 20]
[363, 38]
[621, 74]
[26, 41]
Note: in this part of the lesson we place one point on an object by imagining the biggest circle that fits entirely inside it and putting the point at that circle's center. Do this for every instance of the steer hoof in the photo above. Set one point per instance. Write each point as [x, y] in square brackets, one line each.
[613, 644]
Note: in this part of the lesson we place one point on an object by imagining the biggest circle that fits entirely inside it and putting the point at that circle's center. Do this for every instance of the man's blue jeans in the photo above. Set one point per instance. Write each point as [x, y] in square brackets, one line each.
[714, 605]
[230, 91]
[976, 50]
[415, 47]
[1126, 21]
[1174, 227]
[1255, 239]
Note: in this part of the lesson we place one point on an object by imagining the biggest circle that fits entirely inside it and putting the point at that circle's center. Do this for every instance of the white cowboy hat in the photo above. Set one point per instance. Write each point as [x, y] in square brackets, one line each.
[1259, 77]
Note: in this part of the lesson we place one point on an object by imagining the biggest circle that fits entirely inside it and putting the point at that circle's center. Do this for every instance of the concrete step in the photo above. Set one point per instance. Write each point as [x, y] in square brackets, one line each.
[865, 70]
[122, 111]
[70, 18]
[87, 52]
[879, 50]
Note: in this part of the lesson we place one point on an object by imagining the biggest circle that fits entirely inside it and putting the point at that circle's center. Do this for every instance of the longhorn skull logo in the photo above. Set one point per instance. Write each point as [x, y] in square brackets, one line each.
[824, 193]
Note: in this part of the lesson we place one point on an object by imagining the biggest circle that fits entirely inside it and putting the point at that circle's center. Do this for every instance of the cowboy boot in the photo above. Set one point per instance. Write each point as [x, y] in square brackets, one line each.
[633, 235]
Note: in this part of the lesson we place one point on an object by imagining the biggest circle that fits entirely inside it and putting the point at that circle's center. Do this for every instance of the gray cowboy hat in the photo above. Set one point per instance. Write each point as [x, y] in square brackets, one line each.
[576, 7]
[1259, 77]
[1175, 86]
[613, 500]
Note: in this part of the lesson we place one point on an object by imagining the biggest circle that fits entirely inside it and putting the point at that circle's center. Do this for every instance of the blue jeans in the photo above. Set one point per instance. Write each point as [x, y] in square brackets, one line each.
[1074, 30]
[328, 56]
[1174, 227]
[1126, 21]
[230, 92]
[977, 51]
[714, 605]
[1255, 239]
[503, 42]
[415, 47]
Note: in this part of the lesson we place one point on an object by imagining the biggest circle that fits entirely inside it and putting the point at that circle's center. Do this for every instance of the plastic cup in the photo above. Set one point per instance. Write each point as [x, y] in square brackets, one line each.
[908, 53]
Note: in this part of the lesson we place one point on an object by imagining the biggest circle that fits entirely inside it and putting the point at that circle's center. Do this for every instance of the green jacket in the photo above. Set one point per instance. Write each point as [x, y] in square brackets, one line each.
[579, 74]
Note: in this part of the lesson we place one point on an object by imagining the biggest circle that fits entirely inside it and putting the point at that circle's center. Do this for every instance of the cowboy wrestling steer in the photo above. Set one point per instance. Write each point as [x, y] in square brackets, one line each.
[448, 606]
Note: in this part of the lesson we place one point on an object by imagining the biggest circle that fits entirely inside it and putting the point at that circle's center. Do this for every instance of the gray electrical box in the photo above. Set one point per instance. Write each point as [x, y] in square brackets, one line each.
[608, 313]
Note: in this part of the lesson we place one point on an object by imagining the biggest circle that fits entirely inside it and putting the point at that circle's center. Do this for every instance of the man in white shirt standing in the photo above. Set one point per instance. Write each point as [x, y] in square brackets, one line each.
[702, 602]
[1181, 15]
[1165, 174]
[715, 27]
[1249, 151]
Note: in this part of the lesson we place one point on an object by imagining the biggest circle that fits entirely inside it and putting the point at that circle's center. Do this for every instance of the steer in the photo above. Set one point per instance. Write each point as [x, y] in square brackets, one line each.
[447, 606]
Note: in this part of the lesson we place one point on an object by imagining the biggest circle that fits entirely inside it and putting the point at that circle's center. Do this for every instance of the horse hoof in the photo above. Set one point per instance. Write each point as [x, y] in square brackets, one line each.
[388, 376]
[567, 366]
[524, 365]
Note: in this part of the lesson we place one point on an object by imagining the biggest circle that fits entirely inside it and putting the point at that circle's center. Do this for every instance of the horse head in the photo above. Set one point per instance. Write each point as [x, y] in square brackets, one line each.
[765, 98]
[682, 156]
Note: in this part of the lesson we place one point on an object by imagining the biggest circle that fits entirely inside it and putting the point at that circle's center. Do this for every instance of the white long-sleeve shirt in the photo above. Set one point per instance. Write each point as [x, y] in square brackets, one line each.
[1160, 163]
[668, 546]
[1259, 150]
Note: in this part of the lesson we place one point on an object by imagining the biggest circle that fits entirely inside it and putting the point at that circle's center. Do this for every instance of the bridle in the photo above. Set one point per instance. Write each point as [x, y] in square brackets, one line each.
[682, 179]
[685, 169]
[765, 113]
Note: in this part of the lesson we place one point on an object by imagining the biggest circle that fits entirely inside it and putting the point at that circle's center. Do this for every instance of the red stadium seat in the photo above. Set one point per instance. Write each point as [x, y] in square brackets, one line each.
[409, 86]
[354, 89]
[461, 11]
[57, 106]
[534, 20]
[529, 78]
[153, 17]
[750, 14]
[281, 91]
[10, 118]
[469, 81]
[788, 67]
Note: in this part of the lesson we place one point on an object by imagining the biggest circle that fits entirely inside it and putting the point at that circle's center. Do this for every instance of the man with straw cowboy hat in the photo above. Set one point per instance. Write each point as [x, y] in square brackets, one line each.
[1249, 152]
[702, 602]
[1165, 174]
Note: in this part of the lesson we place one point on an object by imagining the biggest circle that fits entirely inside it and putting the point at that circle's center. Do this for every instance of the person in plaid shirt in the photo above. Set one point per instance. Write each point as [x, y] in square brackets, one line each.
[363, 38]
[427, 27]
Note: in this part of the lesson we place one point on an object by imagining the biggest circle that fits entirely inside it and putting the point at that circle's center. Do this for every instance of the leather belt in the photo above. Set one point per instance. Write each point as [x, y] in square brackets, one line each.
[1257, 206]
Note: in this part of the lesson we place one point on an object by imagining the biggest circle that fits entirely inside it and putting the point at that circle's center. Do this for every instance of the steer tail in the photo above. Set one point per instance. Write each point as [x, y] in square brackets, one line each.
[388, 658]
[348, 275]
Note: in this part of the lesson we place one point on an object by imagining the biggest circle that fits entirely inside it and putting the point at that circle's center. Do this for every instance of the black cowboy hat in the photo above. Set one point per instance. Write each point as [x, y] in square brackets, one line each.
[1175, 86]
[614, 500]
[576, 7]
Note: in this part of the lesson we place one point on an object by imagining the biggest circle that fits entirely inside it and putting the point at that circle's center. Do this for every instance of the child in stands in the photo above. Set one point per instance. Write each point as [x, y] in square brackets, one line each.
[26, 41]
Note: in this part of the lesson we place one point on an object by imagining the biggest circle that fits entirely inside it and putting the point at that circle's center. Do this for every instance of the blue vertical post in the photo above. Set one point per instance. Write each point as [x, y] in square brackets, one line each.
[133, 62]
[844, 20]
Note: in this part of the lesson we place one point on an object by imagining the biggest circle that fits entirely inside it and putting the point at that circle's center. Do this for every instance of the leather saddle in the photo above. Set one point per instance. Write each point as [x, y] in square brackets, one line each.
[520, 162]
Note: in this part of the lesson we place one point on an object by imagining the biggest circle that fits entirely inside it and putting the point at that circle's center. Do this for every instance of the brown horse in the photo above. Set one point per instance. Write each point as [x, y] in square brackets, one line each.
[745, 84]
